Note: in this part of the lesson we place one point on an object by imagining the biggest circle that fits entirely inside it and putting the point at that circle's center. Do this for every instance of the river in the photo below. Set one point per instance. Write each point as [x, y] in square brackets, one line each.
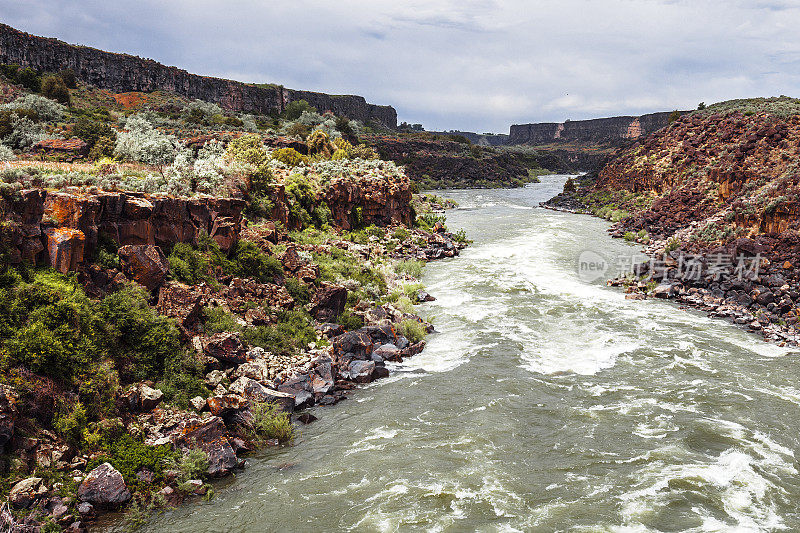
[546, 402]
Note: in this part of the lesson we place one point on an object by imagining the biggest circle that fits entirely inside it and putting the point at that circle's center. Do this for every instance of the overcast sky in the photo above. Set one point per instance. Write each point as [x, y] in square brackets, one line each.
[470, 65]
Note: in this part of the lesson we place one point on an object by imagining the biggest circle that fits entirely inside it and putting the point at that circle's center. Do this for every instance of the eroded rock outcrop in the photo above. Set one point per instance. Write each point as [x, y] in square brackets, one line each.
[62, 229]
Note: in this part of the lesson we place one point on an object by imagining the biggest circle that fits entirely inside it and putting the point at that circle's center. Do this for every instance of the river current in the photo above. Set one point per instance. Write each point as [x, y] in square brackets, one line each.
[546, 402]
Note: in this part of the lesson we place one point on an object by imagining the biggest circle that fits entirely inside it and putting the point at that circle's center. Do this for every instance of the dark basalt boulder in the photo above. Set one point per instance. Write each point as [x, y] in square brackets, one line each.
[208, 434]
[358, 343]
[104, 487]
[328, 303]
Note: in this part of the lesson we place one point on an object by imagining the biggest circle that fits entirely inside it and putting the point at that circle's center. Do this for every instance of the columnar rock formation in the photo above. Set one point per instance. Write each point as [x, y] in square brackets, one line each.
[612, 130]
[62, 229]
[124, 73]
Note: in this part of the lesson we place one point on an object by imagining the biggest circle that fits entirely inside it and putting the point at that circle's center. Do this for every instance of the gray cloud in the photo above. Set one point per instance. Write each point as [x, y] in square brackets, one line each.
[475, 65]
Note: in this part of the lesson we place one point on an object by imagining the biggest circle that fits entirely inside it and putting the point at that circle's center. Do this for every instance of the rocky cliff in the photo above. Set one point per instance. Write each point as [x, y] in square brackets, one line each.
[716, 196]
[449, 164]
[612, 130]
[123, 73]
[62, 229]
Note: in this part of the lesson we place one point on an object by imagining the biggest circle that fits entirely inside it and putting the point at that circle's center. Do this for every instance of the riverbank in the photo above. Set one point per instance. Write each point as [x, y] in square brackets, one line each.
[352, 343]
[752, 283]
[543, 402]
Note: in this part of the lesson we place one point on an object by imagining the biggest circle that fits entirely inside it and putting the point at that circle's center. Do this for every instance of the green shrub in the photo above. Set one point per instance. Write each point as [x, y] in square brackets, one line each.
[337, 265]
[271, 423]
[250, 262]
[130, 455]
[401, 233]
[409, 267]
[293, 332]
[104, 147]
[71, 422]
[298, 290]
[192, 464]
[412, 330]
[188, 265]
[293, 110]
[427, 221]
[350, 321]
[53, 87]
[142, 341]
[29, 78]
[247, 149]
[288, 156]
[183, 378]
[218, 320]
[68, 76]
[91, 131]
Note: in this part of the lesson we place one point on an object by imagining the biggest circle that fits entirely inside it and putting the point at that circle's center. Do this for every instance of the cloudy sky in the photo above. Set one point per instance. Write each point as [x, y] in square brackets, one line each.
[465, 64]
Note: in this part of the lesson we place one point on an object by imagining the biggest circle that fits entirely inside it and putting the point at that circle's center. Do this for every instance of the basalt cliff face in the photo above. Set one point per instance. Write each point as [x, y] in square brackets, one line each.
[449, 164]
[62, 229]
[612, 130]
[121, 73]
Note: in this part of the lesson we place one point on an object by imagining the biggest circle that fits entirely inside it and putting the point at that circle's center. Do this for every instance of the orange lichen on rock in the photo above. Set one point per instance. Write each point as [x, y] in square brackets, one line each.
[130, 100]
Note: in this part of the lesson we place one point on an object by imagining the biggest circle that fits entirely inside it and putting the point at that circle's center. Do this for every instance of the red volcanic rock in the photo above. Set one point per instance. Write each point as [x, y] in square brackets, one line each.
[70, 149]
[328, 303]
[64, 248]
[226, 348]
[144, 264]
[370, 200]
[39, 220]
[182, 302]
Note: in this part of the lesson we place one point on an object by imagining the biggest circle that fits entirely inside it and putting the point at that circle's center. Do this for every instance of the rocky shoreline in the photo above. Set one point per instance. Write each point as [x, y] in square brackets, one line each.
[745, 282]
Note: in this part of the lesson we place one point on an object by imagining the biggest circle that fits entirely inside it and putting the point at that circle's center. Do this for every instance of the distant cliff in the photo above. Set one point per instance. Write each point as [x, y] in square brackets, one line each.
[611, 131]
[124, 73]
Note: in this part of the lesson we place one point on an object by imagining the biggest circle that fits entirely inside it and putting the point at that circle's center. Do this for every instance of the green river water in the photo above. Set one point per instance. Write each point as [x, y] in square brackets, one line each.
[545, 403]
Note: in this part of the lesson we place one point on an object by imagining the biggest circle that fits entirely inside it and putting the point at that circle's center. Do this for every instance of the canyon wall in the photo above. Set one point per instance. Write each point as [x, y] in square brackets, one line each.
[121, 73]
[612, 130]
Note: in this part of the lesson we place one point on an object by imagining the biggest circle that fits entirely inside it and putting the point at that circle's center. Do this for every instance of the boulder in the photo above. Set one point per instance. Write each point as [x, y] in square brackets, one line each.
[256, 392]
[27, 491]
[182, 302]
[104, 487]
[322, 380]
[208, 434]
[357, 343]
[225, 232]
[361, 371]
[142, 398]
[257, 369]
[308, 273]
[65, 248]
[328, 302]
[387, 352]
[149, 398]
[198, 402]
[291, 259]
[144, 263]
[68, 149]
[226, 348]
[226, 403]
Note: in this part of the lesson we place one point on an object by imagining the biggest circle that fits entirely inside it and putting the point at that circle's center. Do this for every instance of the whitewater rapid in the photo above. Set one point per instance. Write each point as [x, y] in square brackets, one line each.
[544, 403]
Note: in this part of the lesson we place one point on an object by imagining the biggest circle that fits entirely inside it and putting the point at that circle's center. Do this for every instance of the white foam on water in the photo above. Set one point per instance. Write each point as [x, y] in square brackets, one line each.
[739, 478]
